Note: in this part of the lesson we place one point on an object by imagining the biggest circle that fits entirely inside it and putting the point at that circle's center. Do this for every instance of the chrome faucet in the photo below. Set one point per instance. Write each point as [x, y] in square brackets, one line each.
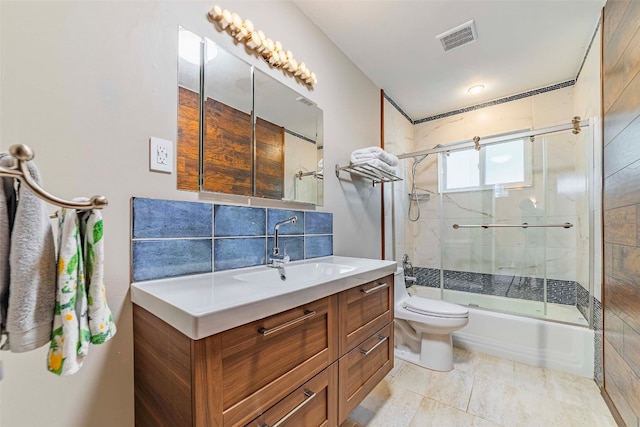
[277, 260]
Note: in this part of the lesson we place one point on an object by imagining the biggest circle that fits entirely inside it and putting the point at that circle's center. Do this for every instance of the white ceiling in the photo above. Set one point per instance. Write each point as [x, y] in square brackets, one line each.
[522, 45]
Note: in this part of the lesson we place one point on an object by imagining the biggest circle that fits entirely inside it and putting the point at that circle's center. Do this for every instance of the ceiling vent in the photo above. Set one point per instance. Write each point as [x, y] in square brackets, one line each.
[458, 36]
[305, 101]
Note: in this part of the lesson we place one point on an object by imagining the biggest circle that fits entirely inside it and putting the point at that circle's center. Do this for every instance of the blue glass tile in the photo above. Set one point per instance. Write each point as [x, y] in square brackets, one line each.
[153, 218]
[318, 223]
[231, 221]
[238, 253]
[158, 259]
[294, 247]
[277, 215]
[317, 246]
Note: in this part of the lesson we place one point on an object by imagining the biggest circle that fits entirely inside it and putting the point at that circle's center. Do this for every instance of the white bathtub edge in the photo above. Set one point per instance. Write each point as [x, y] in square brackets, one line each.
[533, 342]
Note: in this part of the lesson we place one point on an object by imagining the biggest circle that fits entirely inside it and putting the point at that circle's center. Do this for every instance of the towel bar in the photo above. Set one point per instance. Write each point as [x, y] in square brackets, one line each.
[22, 154]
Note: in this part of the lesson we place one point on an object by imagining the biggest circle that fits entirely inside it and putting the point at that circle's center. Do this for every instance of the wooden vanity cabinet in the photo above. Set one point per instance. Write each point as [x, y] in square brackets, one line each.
[366, 341]
[286, 367]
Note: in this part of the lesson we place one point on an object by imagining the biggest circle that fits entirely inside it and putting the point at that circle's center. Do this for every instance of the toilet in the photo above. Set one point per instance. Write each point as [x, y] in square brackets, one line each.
[423, 327]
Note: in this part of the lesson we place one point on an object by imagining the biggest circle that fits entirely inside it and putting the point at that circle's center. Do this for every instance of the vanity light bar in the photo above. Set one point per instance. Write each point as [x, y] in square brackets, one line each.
[270, 51]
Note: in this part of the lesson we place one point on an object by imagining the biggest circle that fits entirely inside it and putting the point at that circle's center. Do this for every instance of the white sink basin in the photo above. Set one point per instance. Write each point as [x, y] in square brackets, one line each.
[205, 304]
[297, 274]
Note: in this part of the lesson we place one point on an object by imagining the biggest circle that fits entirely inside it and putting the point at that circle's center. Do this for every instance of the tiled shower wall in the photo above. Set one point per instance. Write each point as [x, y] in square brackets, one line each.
[174, 238]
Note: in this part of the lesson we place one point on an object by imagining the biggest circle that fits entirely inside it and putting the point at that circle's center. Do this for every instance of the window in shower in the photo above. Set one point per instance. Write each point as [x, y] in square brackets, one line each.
[504, 165]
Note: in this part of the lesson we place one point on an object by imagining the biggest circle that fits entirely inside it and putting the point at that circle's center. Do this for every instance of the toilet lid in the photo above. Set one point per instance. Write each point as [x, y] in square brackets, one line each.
[435, 307]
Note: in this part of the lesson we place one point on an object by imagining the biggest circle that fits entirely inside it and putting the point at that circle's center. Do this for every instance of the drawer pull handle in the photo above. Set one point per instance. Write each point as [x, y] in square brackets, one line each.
[310, 395]
[375, 288]
[382, 339]
[265, 331]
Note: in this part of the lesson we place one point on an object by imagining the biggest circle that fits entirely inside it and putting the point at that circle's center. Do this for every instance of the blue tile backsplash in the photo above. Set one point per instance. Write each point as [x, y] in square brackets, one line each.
[318, 223]
[157, 259]
[238, 253]
[239, 221]
[154, 218]
[174, 238]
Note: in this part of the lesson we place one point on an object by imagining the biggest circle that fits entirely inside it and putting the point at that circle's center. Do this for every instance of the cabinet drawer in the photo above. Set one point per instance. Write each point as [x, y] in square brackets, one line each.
[264, 361]
[364, 310]
[314, 404]
[363, 368]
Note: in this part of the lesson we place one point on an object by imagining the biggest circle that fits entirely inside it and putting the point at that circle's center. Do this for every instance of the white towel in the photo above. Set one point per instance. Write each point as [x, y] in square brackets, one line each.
[101, 324]
[373, 153]
[32, 268]
[70, 336]
[378, 164]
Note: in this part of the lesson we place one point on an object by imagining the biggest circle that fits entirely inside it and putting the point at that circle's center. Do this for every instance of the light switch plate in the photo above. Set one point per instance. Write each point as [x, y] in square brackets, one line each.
[160, 155]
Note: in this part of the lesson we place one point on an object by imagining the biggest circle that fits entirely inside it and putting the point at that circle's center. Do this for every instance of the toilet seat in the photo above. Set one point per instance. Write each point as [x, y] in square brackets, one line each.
[436, 308]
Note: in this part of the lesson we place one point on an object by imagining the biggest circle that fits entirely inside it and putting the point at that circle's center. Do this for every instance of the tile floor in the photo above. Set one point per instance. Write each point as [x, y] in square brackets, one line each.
[481, 391]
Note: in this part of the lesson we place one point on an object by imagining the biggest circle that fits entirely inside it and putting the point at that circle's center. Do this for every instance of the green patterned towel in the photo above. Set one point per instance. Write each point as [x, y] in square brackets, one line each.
[101, 322]
[70, 336]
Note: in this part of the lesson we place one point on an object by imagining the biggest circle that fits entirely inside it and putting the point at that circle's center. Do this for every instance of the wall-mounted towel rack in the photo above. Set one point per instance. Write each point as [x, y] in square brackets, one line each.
[368, 171]
[22, 154]
[523, 225]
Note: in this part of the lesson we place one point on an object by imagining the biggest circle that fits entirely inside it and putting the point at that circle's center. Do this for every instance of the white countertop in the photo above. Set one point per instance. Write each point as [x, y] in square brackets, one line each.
[205, 304]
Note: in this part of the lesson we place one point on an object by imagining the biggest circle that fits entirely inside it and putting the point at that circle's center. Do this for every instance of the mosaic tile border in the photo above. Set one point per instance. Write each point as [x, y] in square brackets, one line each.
[586, 53]
[498, 101]
[582, 301]
[598, 344]
[529, 288]
[484, 104]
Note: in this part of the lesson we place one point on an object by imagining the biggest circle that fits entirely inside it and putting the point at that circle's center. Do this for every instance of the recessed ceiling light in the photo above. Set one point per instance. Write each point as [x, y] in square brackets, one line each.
[476, 89]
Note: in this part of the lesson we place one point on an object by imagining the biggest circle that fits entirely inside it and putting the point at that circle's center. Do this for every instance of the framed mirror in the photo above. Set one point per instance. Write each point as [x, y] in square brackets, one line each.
[241, 131]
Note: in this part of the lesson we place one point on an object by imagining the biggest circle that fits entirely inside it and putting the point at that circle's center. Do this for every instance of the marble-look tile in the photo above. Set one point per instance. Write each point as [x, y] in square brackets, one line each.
[561, 386]
[553, 108]
[318, 223]
[506, 117]
[435, 414]
[154, 218]
[231, 221]
[483, 365]
[318, 246]
[230, 253]
[276, 215]
[388, 405]
[452, 388]
[511, 406]
[159, 259]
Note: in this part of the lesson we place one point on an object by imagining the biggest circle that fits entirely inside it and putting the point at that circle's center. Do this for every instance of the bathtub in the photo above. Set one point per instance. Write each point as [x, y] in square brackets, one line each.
[531, 341]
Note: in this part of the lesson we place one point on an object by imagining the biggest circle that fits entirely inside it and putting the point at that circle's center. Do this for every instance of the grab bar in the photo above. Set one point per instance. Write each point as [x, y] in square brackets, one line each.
[523, 225]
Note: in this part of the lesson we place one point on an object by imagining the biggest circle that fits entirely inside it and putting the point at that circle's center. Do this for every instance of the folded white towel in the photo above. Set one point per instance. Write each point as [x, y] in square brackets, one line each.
[378, 164]
[32, 269]
[70, 336]
[373, 153]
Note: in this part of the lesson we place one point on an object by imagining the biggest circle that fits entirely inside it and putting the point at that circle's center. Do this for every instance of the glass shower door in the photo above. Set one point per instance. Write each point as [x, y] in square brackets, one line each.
[488, 259]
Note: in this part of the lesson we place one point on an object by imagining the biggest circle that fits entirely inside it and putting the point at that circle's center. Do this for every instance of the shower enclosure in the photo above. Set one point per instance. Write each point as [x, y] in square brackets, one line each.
[508, 226]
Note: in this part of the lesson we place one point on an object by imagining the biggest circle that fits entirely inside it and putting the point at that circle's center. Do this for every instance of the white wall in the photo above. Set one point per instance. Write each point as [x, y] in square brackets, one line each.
[85, 84]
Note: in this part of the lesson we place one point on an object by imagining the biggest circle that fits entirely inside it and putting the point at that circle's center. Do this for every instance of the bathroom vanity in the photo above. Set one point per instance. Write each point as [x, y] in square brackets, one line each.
[241, 348]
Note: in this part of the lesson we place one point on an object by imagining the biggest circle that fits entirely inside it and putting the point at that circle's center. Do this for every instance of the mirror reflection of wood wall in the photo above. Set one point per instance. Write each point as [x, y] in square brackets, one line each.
[269, 160]
[188, 139]
[227, 150]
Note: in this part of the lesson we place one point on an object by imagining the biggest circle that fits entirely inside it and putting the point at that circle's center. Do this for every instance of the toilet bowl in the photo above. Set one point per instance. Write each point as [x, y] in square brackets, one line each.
[423, 327]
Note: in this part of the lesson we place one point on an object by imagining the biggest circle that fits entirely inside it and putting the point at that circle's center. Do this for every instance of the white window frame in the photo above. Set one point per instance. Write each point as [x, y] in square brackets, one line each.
[527, 147]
